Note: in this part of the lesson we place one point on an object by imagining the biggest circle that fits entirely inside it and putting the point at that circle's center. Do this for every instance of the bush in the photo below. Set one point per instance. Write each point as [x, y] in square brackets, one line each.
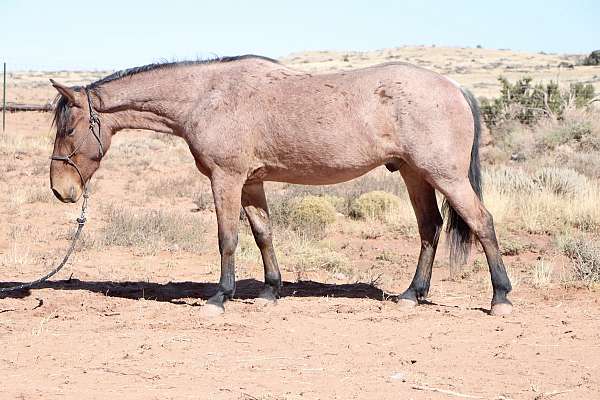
[375, 205]
[592, 59]
[527, 103]
[566, 132]
[341, 195]
[339, 203]
[311, 215]
[586, 257]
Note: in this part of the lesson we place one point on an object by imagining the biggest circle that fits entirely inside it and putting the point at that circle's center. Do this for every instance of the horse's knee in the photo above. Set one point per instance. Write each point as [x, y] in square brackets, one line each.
[227, 244]
[263, 237]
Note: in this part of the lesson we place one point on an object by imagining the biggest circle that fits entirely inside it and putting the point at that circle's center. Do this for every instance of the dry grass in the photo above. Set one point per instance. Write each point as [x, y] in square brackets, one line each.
[585, 255]
[548, 201]
[13, 144]
[542, 274]
[304, 256]
[152, 230]
[16, 256]
[311, 215]
[377, 205]
[178, 186]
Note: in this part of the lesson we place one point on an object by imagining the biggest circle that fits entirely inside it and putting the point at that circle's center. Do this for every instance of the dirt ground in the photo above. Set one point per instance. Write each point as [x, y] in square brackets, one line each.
[122, 322]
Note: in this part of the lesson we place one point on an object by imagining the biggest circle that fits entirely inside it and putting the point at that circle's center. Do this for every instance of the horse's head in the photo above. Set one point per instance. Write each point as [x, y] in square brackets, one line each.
[79, 144]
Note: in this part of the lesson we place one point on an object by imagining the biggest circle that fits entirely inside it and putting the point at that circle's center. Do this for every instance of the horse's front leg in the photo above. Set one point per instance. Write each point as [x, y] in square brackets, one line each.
[227, 191]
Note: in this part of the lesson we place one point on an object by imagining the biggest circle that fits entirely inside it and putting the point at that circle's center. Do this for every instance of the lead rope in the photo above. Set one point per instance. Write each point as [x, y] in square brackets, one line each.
[80, 223]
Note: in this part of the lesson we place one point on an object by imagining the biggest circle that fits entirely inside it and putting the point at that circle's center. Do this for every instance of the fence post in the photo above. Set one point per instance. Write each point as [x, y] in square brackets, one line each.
[4, 100]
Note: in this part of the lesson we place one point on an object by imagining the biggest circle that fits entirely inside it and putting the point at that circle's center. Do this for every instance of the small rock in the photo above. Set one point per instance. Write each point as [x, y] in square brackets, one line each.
[398, 376]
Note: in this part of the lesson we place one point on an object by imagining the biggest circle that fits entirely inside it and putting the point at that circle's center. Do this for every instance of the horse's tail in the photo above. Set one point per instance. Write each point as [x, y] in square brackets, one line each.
[459, 234]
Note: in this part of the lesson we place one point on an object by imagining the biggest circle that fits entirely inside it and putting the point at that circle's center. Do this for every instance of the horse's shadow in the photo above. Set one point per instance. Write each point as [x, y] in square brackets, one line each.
[176, 292]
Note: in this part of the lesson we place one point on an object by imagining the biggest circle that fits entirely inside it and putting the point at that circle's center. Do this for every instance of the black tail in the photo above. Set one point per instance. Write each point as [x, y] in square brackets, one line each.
[459, 234]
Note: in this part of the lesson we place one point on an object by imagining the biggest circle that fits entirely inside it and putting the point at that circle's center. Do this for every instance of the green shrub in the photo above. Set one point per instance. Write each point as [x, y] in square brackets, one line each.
[311, 215]
[375, 205]
[592, 59]
[527, 103]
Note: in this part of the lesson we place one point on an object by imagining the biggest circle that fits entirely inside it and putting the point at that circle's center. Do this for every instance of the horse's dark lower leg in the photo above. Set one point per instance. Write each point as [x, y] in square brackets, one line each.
[226, 194]
[429, 220]
[463, 199]
[255, 206]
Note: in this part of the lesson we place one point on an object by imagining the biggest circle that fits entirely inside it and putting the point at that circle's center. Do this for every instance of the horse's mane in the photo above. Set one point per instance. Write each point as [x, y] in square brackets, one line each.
[173, 64]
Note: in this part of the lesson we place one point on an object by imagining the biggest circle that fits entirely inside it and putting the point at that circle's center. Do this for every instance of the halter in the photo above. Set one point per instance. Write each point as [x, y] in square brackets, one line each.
[94, 122]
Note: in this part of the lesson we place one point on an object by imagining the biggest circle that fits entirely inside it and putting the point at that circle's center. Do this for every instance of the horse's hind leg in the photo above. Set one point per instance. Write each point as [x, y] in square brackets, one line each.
[463, 199]
[429, 220]
[255, 206]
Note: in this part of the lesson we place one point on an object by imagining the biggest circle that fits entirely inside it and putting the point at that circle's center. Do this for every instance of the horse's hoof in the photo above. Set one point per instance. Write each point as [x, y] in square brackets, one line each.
[209, 310]
[407, 304]
[267, 296]
[501, 309]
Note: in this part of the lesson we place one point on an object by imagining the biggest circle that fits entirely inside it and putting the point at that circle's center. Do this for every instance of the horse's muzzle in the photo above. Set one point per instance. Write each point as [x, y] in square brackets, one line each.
[69, 196]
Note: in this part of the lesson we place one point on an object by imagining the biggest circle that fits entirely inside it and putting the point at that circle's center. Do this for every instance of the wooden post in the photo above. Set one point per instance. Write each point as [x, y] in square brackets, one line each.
[4, 101]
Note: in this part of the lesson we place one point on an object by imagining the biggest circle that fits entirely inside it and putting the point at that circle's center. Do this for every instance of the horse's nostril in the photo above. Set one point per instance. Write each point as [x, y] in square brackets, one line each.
[58, 196]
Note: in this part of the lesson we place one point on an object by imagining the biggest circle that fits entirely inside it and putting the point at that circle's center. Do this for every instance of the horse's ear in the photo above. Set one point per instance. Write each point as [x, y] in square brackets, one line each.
[65, 91]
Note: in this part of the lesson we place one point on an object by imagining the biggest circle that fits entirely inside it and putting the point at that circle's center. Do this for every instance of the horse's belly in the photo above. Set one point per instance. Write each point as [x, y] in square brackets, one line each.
[314, 175]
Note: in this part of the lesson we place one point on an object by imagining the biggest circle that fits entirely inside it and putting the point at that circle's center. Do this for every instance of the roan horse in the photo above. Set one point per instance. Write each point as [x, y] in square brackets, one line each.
[249, 119]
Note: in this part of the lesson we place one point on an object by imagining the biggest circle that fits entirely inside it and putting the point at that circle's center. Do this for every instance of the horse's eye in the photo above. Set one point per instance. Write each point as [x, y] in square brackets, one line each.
[70, 131]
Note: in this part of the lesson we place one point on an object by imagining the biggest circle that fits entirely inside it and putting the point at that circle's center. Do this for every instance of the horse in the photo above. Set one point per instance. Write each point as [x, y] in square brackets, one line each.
[249, 119]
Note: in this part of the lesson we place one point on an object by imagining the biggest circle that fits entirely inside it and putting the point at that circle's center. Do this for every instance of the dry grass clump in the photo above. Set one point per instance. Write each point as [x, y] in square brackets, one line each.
[311, 215]
[548, 201]
[585, 255]
[303, 256]
[152, 230]
[509, 180]
[342, 195]
[375, 205]
[542, 274]
[561, 181]
[339, 203]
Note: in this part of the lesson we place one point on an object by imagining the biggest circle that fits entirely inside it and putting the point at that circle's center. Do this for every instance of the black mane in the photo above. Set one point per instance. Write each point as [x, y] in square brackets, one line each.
[62, 113]
[164, 65]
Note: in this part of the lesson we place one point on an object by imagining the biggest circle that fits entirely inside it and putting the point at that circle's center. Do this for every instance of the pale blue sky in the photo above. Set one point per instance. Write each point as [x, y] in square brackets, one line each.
[109, 34]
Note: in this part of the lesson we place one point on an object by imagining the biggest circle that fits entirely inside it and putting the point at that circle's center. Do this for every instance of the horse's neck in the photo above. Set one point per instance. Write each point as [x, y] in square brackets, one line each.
[138, 104]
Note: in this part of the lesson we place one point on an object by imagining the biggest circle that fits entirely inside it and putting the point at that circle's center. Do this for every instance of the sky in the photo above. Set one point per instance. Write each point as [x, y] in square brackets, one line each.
[109, 34]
